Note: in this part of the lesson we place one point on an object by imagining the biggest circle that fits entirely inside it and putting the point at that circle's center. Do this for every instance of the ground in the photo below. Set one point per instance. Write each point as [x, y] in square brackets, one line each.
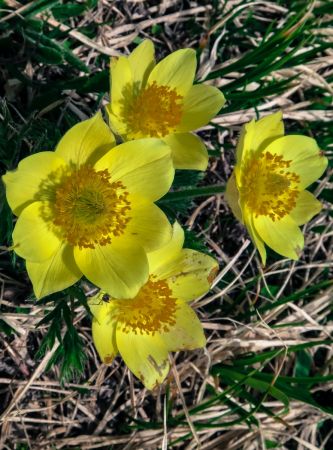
[265, 378]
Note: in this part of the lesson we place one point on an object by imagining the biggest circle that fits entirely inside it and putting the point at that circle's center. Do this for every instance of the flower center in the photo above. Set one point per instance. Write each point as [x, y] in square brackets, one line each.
[88, 209]
[155, 112]
[268, 188]
[152, 310]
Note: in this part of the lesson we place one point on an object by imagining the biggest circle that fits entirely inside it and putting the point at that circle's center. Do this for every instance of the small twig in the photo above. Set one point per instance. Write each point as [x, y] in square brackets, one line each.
[181, 395]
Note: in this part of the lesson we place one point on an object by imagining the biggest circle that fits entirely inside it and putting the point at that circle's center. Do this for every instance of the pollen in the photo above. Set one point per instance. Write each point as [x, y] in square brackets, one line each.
[88, 209]
[151, 311]
[268, 187]
[154, 112]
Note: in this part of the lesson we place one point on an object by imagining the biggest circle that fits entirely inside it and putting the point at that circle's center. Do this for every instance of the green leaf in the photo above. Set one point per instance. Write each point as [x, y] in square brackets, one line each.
[70, 354]
[203, 191]
[74, 356]
[38, 6]
[53, 332]
[92, 3]
[6, 218]
[268, 355]
[285, 387]
[302, 293]
[74, 60]
[5, 328]
[63, 49]
[271, 444]
[48, 55]
[255, 383]
[303, 364]
[68, 10]
[193, 241]
[156, 29]
[34, 24]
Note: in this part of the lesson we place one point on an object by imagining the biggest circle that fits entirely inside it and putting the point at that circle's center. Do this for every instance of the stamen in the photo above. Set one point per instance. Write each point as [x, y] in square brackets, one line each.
[88, 209]
[152, 310]
[267, 187]
[155, 111]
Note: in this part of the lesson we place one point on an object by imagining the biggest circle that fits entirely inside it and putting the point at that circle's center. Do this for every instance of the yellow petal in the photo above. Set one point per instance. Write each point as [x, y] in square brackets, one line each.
[86, 142]
[168, 252]
[232, 197]
[283, 236]
[306, 207]
[257, 135]
[177, 71]
[100, 305]
[23, 184]
[189, 275]
[145, 355]
[201, 104]
[144, 167]
[187, 333]
[256, 239]
[240, 148]
[34, 238]
[142, 61]
[55, 274]
[148, 224]
[116, 123]
[306, 158]
[119, 268]
[188, 151]
[121, 83]
[103, 329]
[103, 335]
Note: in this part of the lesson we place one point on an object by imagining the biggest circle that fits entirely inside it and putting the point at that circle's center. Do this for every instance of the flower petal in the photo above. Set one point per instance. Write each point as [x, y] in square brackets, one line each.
[121, 83]
[142, 61]
[144, 166]
[256, 239]
[187, 333]
[116, 123]
[55, 274]
[189, 275]
[201, 104]
[169, 251]
[86, 141]
[177, 71]
[98, 307]
[34, 238]
[232, 197]
[306, 207]
[283, 236]
[148, 225]
[257, 134]
[188, 151]
[119, 268]
[103, 329]
[145, 355]
[306, 158]
[23, 184]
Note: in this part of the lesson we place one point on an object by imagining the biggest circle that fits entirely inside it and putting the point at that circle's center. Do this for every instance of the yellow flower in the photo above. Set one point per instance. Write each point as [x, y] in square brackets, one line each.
[149, 100]
[267, 189]
[87, 209]
[158, 320]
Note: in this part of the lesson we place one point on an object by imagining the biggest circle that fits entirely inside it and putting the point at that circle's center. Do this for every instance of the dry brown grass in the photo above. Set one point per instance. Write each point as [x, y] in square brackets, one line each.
[43, 414]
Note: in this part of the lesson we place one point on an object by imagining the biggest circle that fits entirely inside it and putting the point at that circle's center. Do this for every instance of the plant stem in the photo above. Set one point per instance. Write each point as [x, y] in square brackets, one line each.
[204, 191]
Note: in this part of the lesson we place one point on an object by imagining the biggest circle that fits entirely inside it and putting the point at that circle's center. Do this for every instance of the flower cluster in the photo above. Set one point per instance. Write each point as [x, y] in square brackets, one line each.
[267, 192]
[88, 208]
